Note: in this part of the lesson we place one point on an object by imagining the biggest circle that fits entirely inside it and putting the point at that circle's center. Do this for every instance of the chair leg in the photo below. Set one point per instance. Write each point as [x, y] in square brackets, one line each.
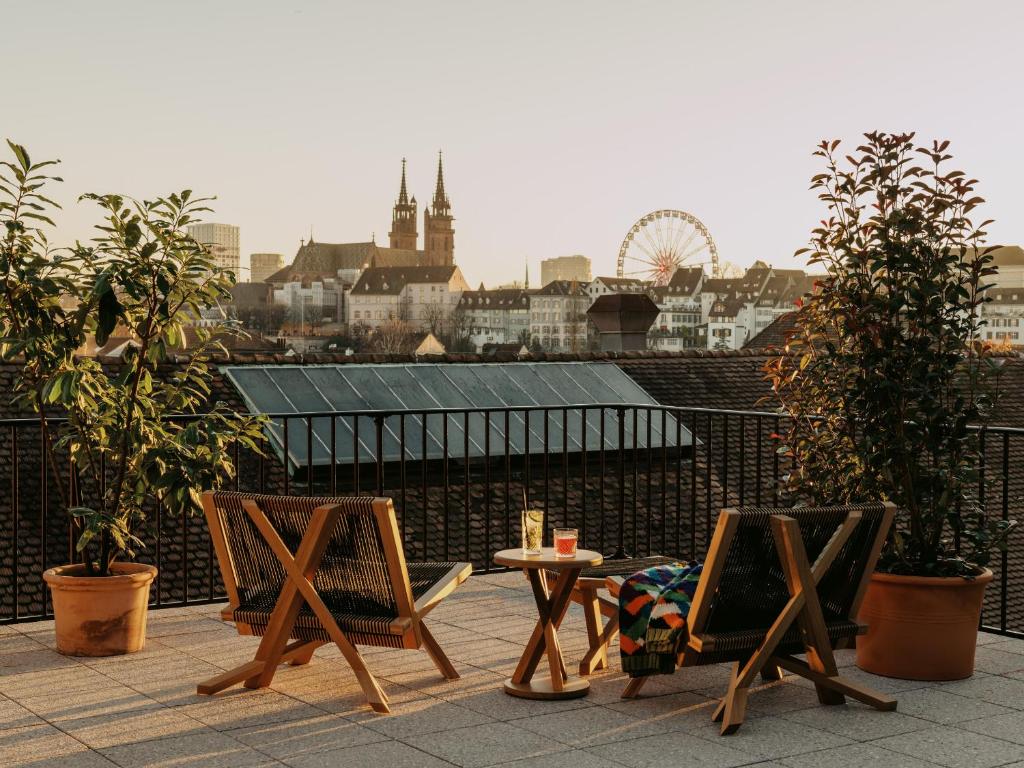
[771, 673]
[597, 655]
[633, 687]
[437, 654]
[839, 684]
[305, 654]
[254, 668]
[733, 708]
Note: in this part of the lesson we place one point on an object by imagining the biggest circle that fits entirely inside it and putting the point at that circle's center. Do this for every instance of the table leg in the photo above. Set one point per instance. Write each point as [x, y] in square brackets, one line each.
[551, 608]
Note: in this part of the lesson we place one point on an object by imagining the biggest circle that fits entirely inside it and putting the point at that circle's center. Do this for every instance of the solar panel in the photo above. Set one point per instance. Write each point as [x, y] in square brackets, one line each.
[393, 389]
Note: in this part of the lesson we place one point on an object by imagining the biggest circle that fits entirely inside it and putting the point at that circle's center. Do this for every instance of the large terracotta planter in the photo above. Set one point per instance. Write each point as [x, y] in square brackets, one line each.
[100, 615]
[921, 627]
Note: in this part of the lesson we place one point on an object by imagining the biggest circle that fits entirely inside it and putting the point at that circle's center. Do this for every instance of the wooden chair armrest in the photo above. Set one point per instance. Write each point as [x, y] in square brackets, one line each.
[614, 584]
[455, 576]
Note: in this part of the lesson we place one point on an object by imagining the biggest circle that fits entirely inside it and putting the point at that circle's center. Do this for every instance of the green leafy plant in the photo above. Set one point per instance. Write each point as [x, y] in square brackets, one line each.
[885, 380]
[140, 432]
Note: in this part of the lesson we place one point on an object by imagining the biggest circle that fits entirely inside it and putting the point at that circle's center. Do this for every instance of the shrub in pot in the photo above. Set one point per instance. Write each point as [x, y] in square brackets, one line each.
[887, 387]
[135, 434]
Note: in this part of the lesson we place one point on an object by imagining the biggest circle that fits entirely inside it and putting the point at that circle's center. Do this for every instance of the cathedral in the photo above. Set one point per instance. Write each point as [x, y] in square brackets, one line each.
[319, 261]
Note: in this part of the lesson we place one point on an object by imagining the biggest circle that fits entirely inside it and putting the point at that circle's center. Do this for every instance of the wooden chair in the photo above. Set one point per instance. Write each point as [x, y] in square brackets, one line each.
[777, 583]
[590, 592]
[319, 570]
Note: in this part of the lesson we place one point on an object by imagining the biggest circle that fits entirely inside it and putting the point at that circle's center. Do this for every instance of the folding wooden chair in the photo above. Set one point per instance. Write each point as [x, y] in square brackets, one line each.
[319, 570]
[777, 583]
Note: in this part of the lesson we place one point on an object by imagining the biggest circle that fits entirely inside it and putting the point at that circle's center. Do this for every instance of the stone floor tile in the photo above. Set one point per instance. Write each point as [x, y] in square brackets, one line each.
[857, 721]
[207, 749]
[853, 756]
[996, 689]
[1011, 645]
[14, 715]
[420, 716]
[681, 710]
[940, 706]
[1009, 726]
[592, 726]
[37, 742]
[66, 680]
[316, 734]
[772, 737]
[15, 642]
[384, 754]
[954, 748]
[242, 707]
[115, 728]
[574, 758]
[491, 700]
[39, 659]
[484, 745]
[996, 661]
[88, 703]
[672, 749]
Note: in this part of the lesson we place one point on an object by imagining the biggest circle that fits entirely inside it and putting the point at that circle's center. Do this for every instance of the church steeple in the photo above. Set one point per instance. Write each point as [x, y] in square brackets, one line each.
[403, 232]
[440, 205]
[437, 224]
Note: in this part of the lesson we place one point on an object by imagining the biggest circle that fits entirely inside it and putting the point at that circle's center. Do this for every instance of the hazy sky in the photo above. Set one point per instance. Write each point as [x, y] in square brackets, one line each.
[562, 122]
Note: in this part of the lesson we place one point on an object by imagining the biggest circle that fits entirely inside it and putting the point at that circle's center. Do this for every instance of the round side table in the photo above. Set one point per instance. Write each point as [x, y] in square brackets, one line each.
[551, 607]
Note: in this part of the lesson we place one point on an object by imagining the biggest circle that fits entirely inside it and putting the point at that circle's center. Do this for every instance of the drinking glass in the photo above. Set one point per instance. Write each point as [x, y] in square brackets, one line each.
[565, 542]
[533, 531]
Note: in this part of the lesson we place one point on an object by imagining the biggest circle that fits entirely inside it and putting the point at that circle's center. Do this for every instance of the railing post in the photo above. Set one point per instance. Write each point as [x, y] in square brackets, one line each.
[620, 549]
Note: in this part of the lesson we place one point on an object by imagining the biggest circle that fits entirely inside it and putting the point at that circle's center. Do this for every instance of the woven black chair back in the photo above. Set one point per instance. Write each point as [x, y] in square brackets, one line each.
[752, 588]
[353, 574]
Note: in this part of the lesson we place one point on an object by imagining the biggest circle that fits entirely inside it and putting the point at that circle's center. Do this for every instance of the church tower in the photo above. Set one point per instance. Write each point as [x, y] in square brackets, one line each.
[439, 235]
[403, 232]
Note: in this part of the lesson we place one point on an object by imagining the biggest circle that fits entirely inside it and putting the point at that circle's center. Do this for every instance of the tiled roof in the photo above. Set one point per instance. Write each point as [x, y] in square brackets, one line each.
[391, 280]
[775, 335]
[561, 288]
[496, 298]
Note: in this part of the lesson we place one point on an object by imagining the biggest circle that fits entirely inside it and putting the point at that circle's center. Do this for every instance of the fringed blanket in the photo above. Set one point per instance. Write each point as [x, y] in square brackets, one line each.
[653, 606]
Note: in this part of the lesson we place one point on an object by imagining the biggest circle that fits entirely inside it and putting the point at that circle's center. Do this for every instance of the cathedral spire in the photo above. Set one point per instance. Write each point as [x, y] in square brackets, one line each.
[440, 204]
[403, 196]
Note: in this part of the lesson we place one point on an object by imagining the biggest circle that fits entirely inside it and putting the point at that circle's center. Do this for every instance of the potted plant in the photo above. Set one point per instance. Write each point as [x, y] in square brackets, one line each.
[137, 433]
[886, 385]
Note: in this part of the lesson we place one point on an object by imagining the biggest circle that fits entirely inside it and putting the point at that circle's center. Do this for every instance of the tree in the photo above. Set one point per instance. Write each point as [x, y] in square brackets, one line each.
[391, 337]
[884, 376]
[142, 273]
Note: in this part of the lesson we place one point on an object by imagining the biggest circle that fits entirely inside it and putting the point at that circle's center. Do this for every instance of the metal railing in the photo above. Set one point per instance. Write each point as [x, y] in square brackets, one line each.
[635, 479]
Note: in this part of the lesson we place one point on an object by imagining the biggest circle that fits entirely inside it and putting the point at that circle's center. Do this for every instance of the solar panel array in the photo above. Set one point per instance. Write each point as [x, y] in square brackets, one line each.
[394, 388]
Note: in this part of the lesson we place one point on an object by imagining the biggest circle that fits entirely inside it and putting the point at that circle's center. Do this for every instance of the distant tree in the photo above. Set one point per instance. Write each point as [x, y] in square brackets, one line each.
[391, 337]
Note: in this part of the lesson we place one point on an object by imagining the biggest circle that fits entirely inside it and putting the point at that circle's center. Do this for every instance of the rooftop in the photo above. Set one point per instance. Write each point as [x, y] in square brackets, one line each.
[142, 710]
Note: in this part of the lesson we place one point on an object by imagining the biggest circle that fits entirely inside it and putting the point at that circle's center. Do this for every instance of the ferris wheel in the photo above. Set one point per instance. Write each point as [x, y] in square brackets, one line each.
[661, 242]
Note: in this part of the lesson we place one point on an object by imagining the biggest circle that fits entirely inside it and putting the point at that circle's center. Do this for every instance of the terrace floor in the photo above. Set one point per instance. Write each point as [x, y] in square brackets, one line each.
[142, 710]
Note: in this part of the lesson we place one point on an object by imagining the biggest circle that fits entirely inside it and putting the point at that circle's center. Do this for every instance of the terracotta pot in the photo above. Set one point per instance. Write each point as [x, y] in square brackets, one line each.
[921, 627]
[100, 615]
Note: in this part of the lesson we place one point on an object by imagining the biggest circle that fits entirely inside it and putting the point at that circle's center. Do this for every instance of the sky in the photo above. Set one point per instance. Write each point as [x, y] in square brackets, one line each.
[562, 123]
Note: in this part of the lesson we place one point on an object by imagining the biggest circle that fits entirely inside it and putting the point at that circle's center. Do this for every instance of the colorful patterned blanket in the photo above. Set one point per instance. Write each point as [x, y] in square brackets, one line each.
[653, 606]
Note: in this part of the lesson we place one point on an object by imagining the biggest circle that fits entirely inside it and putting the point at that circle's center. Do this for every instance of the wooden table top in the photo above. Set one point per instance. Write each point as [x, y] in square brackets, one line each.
[514, 558]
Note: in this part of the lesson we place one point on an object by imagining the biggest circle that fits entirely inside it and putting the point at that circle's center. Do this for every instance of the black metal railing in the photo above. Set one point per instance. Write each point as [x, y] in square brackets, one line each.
[635, 479]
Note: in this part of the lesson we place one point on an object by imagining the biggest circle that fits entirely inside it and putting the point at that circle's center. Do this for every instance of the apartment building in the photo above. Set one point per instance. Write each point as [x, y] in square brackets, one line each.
[565, 268]
[223, 242]
[424, 297]
[680, 323]
[558, 316]
[497, 316]
[263, 265]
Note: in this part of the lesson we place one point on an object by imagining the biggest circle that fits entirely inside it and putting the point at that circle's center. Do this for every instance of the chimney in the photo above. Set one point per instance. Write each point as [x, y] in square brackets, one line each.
[623, 319]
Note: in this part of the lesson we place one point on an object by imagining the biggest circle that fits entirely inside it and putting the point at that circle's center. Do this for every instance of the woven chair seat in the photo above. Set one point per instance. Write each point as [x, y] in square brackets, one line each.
[370, 624]
[732, 646]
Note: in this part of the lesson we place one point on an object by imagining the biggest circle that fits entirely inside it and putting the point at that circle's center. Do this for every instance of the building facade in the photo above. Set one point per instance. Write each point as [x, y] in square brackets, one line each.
[223, 242]
[263, 265]
[558, 316]
[424, 297]
[565, 268]
[498, 316]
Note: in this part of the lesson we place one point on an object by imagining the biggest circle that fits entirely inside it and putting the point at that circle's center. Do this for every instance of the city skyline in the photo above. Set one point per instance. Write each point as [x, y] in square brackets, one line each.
[560, 125]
